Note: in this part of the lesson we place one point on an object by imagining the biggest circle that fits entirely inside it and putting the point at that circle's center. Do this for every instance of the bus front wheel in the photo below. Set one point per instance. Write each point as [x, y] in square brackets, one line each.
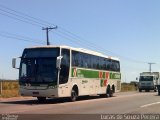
[74, 94]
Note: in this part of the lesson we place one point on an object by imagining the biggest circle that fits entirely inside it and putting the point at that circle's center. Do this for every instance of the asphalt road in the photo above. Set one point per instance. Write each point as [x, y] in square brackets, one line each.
[122, 103]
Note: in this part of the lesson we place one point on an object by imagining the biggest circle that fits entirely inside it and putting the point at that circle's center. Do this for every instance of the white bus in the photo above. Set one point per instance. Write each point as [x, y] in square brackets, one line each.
[63, 71]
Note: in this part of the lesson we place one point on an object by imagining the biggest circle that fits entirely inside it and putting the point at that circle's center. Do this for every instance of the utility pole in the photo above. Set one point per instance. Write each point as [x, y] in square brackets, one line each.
[150, 66]
[47, 31]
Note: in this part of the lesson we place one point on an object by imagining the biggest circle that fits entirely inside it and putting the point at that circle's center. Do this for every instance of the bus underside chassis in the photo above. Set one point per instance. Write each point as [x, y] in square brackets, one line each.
[41, 99]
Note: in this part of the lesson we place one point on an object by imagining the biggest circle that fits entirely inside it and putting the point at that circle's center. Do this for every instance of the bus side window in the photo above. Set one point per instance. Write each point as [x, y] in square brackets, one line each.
[94, 62]
[89, 61]
[97, 63]
[73, 59]
[81, 62]
[65, 64]
[108, 64]
[116, 66]
[75, 56]
[105, 64]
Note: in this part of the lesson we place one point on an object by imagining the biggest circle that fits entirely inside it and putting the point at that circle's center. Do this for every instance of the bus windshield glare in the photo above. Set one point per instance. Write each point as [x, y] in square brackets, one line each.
[39, 66]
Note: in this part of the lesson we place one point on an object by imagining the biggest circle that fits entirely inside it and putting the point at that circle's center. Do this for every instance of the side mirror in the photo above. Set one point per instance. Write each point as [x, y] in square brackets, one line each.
[136, 78]
[58, 62]
[14, 63]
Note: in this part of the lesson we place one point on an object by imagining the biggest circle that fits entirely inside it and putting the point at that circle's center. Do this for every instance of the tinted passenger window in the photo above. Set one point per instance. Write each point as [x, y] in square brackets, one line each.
[65, 64]
[94, 62]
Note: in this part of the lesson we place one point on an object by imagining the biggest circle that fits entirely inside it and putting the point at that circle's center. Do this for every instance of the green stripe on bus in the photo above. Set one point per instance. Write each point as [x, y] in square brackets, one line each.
[83, 73]
[115, 75]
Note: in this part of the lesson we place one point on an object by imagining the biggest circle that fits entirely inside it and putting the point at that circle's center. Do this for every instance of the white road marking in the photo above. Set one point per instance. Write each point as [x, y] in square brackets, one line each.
[147, 105]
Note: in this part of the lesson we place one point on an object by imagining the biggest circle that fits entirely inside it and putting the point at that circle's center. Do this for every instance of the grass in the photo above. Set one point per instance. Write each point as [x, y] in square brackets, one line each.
[126, 87]
[10, 93]
[11, 88]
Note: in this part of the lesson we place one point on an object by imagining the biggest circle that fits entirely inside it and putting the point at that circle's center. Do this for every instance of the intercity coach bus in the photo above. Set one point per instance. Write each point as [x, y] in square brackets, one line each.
[63, 71]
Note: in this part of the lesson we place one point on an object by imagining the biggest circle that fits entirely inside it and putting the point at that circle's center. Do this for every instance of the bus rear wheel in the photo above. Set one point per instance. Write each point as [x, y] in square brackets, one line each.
[109, 91]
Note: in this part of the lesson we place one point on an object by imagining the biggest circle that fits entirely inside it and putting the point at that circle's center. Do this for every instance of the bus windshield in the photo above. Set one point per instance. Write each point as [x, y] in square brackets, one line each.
[146, 78]
[39, 66]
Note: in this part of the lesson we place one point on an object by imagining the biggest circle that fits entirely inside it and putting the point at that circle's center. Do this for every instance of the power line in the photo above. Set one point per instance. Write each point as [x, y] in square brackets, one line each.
[98, 48]
[64, 31]
[18, 37]
[77, 39]
[21, 15]
[20, 19]
[73, 37]
[67, 33]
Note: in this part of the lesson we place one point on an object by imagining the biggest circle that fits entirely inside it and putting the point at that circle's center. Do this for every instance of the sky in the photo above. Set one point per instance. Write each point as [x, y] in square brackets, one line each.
[127, 29]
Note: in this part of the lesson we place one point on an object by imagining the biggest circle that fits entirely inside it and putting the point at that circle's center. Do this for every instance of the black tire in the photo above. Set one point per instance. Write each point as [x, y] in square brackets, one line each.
[74, 95]
[159, 92]
[109, 91]
[140, 90]
[155, 90]
[113, 88]
[41, 99]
